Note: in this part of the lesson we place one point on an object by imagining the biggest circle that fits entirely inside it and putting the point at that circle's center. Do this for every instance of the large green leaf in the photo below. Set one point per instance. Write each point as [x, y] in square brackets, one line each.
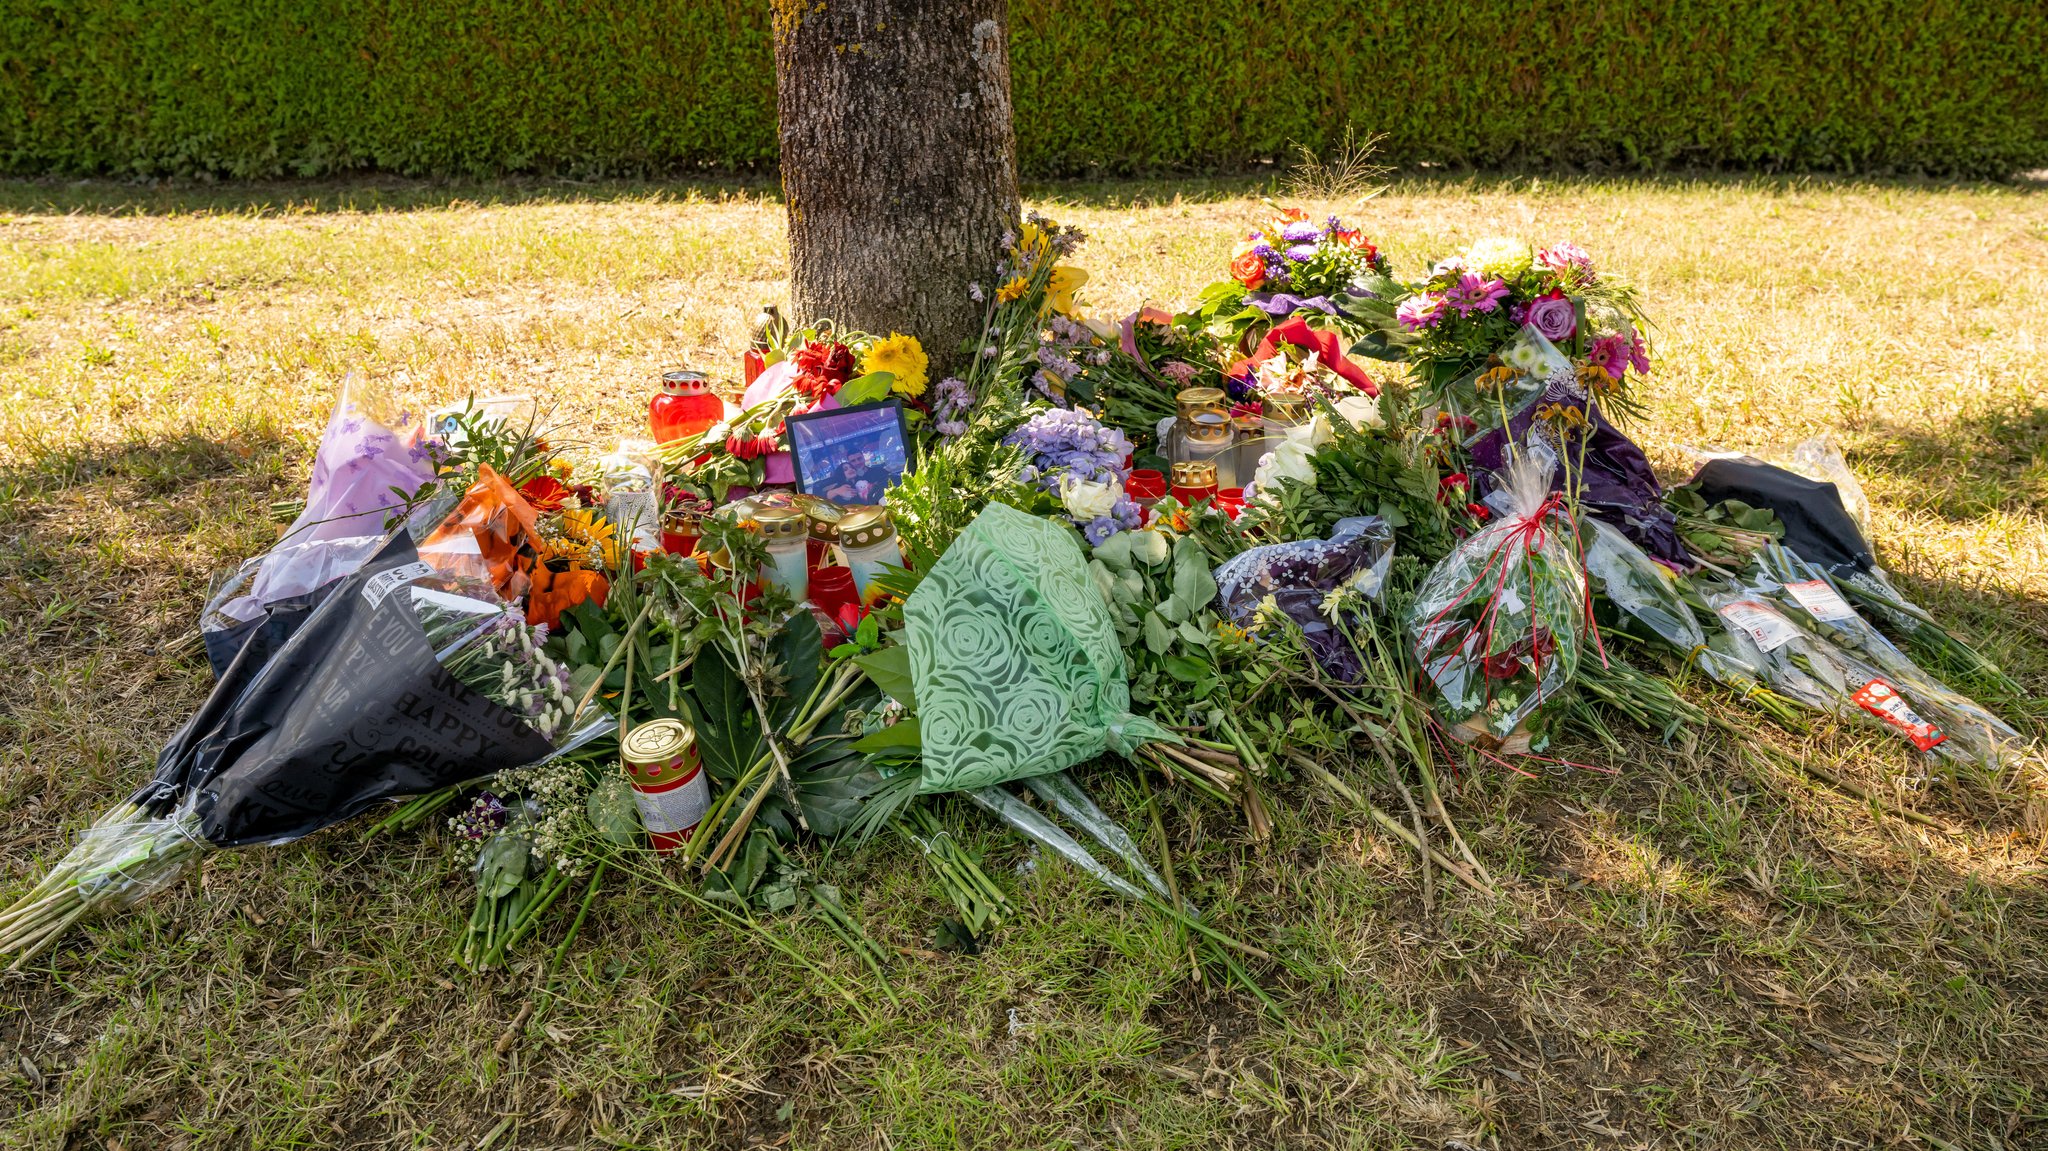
[866, 389]
[890, 669]
[901, 735]
[728, 732]
[800, 650]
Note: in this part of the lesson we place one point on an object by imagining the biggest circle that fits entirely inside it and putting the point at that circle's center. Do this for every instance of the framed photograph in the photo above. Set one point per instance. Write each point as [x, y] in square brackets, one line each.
[850, 455]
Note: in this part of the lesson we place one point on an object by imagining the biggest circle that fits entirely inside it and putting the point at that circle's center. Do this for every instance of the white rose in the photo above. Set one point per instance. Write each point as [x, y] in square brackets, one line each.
[1361, 410]
[1313, 434]
[1090, 501]
[1289, 461]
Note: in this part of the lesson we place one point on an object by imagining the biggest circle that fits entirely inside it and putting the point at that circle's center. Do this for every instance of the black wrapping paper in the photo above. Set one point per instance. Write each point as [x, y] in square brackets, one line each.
[352, 709]
[1817, 526]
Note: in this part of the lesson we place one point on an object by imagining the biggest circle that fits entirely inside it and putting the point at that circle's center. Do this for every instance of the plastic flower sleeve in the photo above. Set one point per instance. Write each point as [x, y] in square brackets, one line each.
[1810, 670]
[1299, 577]
[1047, 834]
[1067, 798]
[1497, 623]
[1802, 592]
[1014, 658]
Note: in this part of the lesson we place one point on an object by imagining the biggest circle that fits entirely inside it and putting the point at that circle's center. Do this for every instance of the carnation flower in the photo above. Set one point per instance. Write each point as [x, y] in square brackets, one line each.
[822, 366]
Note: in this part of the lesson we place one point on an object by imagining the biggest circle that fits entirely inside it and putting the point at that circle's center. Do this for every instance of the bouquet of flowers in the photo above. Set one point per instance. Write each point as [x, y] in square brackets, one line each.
[1133, 385]
[1802, 592]
[1498, 623]
[1808, 669]
[1074, 458]
[1295, 266]
[379, 694]
[1455, 321]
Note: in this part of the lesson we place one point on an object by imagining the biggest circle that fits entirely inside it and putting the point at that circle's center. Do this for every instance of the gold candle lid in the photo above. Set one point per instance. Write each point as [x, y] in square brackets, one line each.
[1287, 407]
[650, 746]
[864, 526]
[1191, 400]
[1208, 427]
[781, 522]
[1194, 474]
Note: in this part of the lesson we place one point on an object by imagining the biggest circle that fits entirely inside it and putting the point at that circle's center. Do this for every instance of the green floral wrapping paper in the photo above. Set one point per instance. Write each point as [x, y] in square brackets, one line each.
[1014, 658]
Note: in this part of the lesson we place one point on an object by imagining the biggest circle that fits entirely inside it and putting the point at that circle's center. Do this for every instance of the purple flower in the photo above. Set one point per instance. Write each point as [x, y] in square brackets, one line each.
[1301, 232]
[950, 428]
[1180, 372]
[1473, 294]
[1264, 251]
[1300, 252]
[974, 293]
[1554, 317]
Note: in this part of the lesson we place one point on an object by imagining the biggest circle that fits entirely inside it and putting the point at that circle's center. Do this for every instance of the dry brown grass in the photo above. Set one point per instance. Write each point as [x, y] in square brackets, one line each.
[1705, 949]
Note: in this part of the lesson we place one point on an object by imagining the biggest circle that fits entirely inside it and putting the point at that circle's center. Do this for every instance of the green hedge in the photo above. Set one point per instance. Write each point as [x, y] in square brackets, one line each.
[247, 88]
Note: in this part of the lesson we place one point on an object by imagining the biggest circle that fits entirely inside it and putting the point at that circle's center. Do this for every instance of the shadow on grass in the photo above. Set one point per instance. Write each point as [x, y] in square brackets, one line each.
[384, 193]
[1981, 463]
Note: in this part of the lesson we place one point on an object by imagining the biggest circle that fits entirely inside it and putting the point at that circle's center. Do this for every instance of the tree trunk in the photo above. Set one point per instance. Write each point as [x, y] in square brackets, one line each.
[899, 163]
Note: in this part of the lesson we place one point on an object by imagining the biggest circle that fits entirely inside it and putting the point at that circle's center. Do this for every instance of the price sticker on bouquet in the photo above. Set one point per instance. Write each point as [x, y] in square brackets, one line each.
[385, 582]
[1761, 622]
[1821, 601]
[1879, 699]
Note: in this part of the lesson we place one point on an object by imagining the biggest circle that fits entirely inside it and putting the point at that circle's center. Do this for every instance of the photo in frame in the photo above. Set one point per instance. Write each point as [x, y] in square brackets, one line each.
[850, 455]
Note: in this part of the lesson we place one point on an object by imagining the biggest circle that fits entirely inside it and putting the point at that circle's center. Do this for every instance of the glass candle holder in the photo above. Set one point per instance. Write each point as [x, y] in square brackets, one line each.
[685, 406]
[868, 537]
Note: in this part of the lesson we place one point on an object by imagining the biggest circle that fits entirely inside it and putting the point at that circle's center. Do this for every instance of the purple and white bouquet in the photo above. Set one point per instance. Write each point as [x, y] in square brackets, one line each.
[1083, 464]
[1455, 320]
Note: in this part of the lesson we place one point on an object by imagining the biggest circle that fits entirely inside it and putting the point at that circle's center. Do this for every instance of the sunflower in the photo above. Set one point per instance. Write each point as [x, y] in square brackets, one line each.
[901, 356]
[589, 528]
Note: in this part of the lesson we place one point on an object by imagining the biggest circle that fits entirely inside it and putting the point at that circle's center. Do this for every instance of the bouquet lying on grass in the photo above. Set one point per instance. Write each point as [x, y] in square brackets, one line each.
[671, 665]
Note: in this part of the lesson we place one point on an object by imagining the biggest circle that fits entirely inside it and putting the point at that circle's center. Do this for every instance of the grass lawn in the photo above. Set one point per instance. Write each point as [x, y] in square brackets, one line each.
[1703, 947]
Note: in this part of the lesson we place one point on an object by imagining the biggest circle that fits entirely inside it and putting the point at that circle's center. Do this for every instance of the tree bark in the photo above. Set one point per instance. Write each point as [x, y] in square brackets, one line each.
[899, 161]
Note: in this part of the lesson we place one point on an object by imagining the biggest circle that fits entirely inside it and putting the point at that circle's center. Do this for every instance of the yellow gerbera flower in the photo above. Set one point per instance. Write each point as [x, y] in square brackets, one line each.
[1012, 290]
[901, 356]
[1059, 291]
